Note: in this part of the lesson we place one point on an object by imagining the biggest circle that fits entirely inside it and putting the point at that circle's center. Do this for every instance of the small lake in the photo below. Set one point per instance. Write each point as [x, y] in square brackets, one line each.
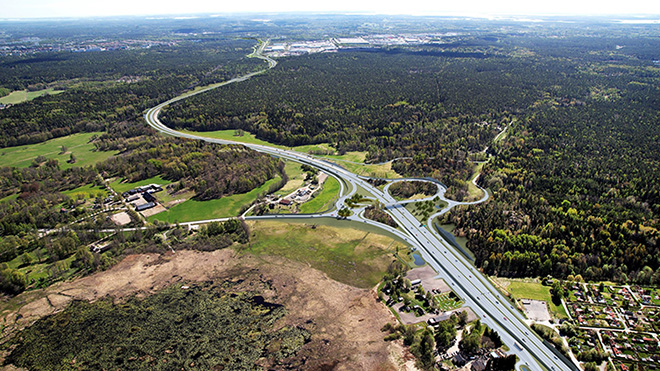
[418, 259]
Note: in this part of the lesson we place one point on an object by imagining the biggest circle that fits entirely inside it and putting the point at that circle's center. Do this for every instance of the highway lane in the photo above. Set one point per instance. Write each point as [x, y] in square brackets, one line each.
[477, 291]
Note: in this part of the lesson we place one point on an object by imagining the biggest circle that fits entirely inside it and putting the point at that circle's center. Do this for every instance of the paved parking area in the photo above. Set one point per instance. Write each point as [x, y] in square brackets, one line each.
[536, 310]
[429, 282]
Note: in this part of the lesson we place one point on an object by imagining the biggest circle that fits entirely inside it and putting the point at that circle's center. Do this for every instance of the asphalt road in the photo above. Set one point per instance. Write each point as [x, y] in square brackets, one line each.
[468, 283]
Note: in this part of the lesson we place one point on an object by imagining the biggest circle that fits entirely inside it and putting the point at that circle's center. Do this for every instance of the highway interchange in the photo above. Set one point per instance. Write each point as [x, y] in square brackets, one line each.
[474, 288]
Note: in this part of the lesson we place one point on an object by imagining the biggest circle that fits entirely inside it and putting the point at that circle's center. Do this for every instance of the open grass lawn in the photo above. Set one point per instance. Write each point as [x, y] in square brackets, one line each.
[121, 187]
[528, 289]
[321, 147]
[351, 256]
[324, 200]
[474, 193]
[247, 137]
[78, 144]
[87, 191]
[38, 270]
[350, 156]
[229, 206]
[376, 171]
[20, 96]
[296, 178]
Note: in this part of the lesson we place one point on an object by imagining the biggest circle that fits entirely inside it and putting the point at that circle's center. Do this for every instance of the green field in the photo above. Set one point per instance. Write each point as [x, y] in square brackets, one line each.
[229, 135]
[354, 162]
[87, 191]
[296, 178]
[38, 270]
[527, 289]
[322, 201]
[350, 256]
[120, 187]
[350, 156]
[20, 96]
[78, 144]
[321, 147]
[474, 193]
[229, 206]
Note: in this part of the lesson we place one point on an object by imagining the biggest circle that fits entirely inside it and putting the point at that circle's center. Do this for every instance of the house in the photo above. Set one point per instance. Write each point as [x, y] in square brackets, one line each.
[148, 197]
[132, 198]
[479, 364]
[285, 202]
[146, 206]
[438, 319]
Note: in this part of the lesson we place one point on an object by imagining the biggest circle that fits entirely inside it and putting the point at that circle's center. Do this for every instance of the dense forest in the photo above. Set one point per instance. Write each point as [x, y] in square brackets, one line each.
[390, 105]
[576, 182]
[575, 179]
[104, 88]
[211, 170]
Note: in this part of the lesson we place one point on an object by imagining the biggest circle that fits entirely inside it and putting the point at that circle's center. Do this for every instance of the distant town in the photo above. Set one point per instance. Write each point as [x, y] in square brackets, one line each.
[284, 49]
[33, 45]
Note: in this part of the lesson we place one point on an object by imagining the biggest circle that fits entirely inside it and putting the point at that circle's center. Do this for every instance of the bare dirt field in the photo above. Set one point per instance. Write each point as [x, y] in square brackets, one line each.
[344, 321]
[121, 218]
[153, 211]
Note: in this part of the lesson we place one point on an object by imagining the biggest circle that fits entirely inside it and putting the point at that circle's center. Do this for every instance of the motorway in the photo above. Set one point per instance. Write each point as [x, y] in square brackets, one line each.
[475, 289]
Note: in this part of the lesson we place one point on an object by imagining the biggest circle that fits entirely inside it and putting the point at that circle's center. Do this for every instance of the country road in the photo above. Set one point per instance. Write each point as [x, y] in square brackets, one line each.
[475, 289]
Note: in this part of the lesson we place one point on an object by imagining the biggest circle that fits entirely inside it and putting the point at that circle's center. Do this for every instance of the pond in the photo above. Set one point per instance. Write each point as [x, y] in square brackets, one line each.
[418, 260]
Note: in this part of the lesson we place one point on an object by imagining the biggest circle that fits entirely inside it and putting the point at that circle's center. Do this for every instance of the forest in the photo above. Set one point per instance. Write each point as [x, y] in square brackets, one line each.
[388, 105]
[575, 180]
[105, 88]
[575, 183]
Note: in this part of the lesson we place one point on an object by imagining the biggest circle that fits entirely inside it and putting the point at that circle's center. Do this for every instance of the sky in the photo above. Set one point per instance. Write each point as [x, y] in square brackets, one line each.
[87, 8]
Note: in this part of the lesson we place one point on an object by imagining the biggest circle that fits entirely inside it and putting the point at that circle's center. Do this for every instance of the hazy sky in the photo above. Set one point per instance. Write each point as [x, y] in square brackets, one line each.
[82, 8]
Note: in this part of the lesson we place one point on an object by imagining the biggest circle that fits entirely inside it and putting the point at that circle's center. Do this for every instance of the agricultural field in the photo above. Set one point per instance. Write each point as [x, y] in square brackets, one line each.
[77, 144]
